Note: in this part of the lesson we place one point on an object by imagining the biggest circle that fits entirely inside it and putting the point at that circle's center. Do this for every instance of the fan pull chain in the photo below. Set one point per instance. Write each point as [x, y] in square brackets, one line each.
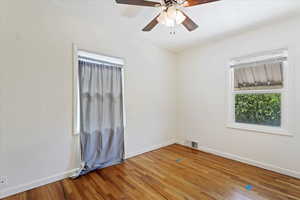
[172, 31]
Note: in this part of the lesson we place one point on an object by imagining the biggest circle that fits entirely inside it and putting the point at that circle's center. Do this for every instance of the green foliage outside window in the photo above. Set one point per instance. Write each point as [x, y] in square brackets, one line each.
[260, 109]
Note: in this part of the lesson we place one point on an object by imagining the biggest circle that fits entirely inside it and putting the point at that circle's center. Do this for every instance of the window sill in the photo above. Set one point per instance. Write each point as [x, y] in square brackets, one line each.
[260, 129]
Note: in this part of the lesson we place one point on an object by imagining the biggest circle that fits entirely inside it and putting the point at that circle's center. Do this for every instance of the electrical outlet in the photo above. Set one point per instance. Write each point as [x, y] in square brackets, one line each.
[3, 180]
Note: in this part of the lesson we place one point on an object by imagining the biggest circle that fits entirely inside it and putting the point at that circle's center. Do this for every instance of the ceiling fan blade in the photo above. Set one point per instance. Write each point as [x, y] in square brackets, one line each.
[151, 25]
[190, 3]
[189, 24]
[139, 3]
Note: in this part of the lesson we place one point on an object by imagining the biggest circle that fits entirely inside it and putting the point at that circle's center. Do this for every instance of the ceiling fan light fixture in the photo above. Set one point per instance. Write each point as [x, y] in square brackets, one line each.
[172, 12]
[165, 20]
[170, 23]
[175, 15]
[180, 17]
[171, 17]
[162, 17]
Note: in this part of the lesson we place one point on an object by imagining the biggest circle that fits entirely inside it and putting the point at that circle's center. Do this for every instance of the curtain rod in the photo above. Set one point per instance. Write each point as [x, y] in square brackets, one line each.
[94, 61]
[99, 57]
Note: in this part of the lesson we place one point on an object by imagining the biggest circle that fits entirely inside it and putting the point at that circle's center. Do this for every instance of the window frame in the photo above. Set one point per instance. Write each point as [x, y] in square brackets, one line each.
[283, 129]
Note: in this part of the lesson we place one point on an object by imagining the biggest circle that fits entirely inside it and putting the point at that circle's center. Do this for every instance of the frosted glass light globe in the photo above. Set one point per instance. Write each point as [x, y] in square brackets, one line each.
[172, 12]
[180, 17]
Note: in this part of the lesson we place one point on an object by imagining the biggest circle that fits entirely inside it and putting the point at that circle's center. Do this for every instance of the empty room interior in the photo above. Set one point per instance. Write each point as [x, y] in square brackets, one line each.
[150, 100]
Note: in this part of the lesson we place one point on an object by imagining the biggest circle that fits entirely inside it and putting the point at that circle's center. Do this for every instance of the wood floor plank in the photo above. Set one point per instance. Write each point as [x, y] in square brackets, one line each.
[172, 173]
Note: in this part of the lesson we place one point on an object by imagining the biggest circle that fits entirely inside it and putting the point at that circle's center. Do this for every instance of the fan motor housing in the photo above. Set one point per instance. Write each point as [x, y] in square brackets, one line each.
[170, 2]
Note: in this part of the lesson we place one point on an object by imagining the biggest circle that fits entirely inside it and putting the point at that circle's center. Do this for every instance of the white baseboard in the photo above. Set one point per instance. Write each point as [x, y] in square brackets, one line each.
[154, 147]
[249, 161]
[34, 184]
[44, 181]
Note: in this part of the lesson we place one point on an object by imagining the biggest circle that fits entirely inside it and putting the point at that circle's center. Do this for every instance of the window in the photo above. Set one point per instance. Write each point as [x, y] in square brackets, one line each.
[258, 93]
[260, 109]
[81, 55]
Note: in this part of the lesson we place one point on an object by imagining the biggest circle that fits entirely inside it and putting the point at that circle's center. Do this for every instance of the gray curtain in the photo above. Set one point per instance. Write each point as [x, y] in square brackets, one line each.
[101, 115]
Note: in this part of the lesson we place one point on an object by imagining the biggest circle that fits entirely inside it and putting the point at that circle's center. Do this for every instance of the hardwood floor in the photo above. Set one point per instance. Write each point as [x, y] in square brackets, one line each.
[172, 173]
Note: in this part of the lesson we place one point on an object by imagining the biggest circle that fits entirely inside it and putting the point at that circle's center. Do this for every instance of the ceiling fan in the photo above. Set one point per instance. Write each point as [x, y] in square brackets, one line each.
[171, 13]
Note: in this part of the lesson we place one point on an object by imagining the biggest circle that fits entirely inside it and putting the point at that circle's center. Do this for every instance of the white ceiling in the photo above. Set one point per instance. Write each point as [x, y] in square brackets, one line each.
[215, 20]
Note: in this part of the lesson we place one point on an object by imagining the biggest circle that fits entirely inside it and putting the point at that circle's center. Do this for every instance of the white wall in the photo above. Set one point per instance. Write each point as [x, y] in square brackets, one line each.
[36, 39]
[36, 36]
[203, 85]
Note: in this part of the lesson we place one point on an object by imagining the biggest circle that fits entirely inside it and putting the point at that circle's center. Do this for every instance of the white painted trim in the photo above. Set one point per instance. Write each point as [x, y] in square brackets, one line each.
[37, 183]
[44, 181]
[260, 129]
[284, 130]
[154, 147]
[270, 91]
[250, 162]
[110, 59]
[76, 130]
[123, 99]
[279, 53]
